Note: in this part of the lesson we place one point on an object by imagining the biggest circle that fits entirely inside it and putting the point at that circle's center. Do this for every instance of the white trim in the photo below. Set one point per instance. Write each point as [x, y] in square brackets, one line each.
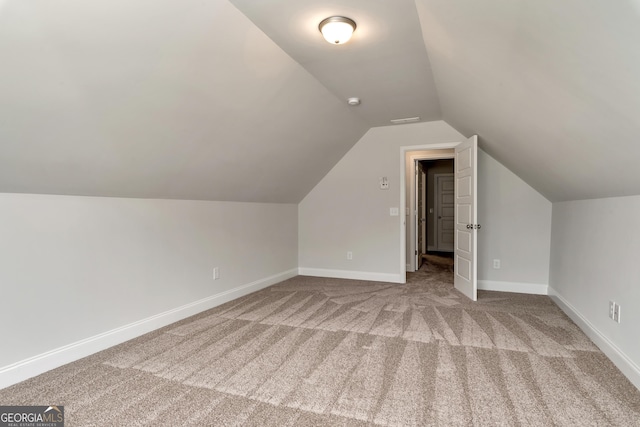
[520, 288]
[414, 214]
[349, 274]
[435, 154]
[617, 356]
[403, 189]
[36, 365]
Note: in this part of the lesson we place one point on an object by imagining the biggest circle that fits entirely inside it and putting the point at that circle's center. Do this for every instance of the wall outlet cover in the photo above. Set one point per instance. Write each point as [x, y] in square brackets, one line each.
[611, 309]
[616, 312]
[384, 183]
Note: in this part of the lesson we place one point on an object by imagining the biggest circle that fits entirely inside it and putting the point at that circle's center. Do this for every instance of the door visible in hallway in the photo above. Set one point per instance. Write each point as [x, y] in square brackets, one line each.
[444, 206]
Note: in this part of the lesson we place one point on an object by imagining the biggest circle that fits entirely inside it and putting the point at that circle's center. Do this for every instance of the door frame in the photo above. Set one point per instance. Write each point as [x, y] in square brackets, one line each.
[420, 227]
[407, 168]
[424, 214]
[416, 216]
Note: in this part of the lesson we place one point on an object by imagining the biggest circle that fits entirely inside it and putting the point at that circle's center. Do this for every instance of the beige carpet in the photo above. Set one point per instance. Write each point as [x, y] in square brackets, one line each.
[432, 262]
[312, 351]
[438, 259]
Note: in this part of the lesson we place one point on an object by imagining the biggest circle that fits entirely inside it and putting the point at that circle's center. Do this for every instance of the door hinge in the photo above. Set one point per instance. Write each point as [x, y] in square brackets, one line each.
[416, 252]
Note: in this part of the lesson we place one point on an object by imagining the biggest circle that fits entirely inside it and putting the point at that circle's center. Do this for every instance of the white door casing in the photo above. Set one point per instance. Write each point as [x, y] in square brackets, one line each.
[416, 197]
[465, 276]
[423, 213]
[407, 155]
[420, 213]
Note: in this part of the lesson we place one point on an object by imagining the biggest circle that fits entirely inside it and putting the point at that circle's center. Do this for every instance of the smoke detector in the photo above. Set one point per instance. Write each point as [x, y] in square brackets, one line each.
[353, 101]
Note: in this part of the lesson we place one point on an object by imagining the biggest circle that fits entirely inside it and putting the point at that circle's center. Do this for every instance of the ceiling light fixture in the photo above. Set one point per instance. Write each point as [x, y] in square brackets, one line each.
[337, 29]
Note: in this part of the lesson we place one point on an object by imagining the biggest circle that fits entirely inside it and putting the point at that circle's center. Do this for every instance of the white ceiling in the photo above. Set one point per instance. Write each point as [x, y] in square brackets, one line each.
[551, 87]
[385, 64]
[244, 100]
[178, 99]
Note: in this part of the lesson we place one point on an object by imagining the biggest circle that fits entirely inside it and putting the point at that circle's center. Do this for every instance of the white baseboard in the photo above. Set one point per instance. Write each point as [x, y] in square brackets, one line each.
[621, 360]
[348, 274]
[520, 288]
[41, 363]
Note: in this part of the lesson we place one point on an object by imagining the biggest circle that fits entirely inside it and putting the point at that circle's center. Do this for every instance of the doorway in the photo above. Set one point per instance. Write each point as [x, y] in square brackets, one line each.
[465, 209]
[422, 166]
[435, 205]
[440, 204]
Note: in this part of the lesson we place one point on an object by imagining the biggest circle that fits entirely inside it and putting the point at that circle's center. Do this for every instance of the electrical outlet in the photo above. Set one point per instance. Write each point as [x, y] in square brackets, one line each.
[384, 183]
[612, 309]
[496, 264]
[616, 312]
[349, 255]
[216, 273]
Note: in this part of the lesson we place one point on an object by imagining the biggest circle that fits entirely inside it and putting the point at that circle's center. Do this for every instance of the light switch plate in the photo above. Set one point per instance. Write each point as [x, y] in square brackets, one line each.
[394, 211]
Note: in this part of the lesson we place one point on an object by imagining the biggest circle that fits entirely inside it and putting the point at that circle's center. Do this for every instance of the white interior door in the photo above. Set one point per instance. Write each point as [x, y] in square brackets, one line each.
[466, 177]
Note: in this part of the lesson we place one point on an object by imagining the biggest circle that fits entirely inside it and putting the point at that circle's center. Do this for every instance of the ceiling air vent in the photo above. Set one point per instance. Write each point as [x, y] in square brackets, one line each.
[405, 120]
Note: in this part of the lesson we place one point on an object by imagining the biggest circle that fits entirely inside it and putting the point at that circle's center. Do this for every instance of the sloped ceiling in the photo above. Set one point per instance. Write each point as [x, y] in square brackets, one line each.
[244, 101]
[178, 99]
[385, 64]
[551, 87]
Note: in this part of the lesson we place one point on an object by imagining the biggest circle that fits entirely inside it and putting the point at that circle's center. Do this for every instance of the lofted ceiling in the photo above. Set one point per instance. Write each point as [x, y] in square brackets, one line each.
[182, 99]
[551, 87]
[385, 63]
[243, 100]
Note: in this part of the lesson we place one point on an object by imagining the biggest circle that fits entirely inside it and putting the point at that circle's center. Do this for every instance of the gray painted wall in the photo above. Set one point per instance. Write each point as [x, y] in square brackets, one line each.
[347, 211]
[594, 260]
[76, 267]
[516, 226]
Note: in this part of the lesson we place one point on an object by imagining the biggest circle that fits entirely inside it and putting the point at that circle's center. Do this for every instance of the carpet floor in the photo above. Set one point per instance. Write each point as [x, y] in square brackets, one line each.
[314, 351]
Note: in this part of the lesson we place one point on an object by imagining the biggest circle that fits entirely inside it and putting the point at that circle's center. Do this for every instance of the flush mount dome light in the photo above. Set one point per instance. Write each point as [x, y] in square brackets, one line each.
[337, 29]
